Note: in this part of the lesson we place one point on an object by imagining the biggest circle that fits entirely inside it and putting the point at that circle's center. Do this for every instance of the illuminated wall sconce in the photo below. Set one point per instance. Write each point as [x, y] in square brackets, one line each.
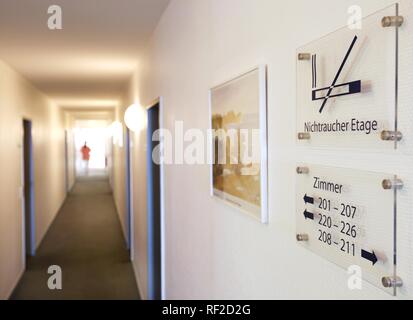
[135, 117]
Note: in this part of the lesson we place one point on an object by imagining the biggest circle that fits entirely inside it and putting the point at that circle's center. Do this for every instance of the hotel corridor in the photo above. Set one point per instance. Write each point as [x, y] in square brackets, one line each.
[86, 241]
[216, 150]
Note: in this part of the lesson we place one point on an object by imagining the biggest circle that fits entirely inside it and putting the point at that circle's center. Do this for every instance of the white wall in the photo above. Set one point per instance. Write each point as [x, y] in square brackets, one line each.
[18, 100]
[71, 155]
[213, 251]
[138, 151]
[70, 149]
[119, 173]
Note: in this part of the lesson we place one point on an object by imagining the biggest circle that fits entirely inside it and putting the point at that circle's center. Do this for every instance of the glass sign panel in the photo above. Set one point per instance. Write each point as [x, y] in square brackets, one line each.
[346, 87]
[347, 216]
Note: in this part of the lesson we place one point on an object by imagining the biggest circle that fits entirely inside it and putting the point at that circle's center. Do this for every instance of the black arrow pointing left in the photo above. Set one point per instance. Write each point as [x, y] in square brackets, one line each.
[308, 199]
[308, 215]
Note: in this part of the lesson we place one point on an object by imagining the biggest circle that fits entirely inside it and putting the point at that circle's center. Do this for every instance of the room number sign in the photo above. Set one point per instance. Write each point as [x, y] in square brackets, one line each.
[348, 217]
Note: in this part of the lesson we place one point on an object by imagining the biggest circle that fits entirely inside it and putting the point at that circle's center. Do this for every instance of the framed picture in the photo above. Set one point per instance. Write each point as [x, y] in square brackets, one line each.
[238, 111]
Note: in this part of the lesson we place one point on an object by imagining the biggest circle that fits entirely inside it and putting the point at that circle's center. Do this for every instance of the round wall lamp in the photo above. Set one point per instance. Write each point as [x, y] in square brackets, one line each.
[135, 117]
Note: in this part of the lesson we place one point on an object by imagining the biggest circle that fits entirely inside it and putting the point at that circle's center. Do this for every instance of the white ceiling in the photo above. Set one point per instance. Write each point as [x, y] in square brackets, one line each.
[91, 58]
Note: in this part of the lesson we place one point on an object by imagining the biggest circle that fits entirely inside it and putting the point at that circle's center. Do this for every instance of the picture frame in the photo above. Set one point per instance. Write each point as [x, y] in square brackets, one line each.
[239, 106]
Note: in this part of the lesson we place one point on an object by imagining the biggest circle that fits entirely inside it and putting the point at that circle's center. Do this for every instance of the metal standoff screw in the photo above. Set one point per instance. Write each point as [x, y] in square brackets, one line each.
[392, 21]
[304, 56]
[389, 184]
[302, 237]
[304, 136]
[391, 136]
[303, 170]
[392, 282]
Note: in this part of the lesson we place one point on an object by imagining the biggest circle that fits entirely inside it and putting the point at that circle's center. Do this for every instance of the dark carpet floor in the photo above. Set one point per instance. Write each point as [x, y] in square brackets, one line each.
[86, 241]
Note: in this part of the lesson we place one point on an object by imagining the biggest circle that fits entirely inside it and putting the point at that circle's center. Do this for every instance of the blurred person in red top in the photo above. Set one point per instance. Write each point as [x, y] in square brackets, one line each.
[85, 150]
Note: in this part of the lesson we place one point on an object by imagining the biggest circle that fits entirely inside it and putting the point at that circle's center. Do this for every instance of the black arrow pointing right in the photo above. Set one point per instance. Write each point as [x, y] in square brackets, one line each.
[308, 215]
[370, 256]
[308, 199]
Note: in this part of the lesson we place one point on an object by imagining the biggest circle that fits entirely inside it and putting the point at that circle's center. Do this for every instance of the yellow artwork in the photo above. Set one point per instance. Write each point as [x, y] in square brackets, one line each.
[236, 111]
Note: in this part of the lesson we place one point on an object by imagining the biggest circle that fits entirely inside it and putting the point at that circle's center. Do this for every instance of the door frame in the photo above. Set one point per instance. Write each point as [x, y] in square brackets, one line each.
[67, 160]
[129, 192]
[32, 223]
[160, 102]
